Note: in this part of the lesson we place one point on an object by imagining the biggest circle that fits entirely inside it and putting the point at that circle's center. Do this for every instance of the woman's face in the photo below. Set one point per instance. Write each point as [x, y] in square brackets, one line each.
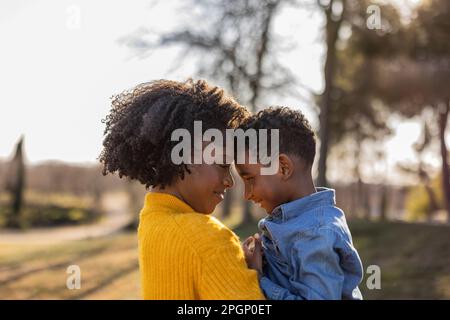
[204, 188]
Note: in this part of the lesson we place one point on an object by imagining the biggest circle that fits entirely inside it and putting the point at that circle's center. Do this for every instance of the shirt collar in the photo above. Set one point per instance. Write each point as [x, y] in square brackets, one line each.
[322, 197]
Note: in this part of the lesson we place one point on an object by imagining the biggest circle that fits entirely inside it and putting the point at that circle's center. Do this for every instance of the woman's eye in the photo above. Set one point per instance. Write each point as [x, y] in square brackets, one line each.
[225, 166]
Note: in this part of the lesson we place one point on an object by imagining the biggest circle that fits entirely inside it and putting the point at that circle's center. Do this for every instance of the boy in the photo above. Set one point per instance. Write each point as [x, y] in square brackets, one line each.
[307, 246]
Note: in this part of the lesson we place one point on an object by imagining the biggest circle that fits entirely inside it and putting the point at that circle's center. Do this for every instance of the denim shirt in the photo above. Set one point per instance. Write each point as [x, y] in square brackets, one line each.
[308, 251]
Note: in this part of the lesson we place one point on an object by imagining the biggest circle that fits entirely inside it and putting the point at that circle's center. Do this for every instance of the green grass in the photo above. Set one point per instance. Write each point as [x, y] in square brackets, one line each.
[414, 259]
[414, 262]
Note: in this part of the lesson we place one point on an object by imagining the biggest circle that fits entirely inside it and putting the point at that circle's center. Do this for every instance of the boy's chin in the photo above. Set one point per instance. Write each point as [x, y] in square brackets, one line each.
[270, 207]
[266, 208]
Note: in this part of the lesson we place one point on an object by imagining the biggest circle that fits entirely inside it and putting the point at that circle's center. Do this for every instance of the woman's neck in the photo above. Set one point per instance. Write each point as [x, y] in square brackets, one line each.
[172, 190]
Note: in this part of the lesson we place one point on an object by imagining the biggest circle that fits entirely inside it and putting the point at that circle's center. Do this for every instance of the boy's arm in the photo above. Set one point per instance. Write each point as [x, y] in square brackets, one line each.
[316, 270]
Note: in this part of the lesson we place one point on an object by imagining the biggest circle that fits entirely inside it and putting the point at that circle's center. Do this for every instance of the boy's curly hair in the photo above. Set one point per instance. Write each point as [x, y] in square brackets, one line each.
[137, 142]
[295, 133]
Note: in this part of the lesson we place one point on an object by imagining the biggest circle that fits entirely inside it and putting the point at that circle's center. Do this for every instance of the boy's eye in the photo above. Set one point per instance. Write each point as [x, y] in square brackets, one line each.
[225, 166]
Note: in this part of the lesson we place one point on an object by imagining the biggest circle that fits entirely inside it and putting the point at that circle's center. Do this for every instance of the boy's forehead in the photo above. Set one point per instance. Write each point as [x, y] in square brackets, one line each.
[245, 156]
[246, 168]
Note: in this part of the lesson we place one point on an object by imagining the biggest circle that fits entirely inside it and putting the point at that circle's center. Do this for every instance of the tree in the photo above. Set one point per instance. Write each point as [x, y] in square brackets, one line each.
[357, 117]
[334, 11]
[16, 184]
[416, 81]
[421, 169]
[234, 47]
[365, 44]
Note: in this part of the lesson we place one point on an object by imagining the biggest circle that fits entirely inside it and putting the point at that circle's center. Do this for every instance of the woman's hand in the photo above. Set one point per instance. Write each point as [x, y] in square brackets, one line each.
[253, 252]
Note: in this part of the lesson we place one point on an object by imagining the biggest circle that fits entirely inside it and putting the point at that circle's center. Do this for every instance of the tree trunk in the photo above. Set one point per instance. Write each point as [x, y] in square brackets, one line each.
[383, 202]
[255, 83]
[443, 117]
[360, 194]
[363, 199]
[16, 186]
[332, 33]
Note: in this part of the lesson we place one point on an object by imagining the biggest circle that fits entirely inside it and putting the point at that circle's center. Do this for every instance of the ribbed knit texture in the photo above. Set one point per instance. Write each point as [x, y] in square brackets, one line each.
[188, 255]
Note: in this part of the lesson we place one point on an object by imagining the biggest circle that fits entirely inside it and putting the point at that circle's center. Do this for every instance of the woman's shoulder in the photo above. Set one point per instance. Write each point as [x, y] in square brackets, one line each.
[207, 225]
[206, 231]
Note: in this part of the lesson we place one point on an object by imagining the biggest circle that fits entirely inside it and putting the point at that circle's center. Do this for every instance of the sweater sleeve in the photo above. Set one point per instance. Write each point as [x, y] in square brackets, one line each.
[225, 275]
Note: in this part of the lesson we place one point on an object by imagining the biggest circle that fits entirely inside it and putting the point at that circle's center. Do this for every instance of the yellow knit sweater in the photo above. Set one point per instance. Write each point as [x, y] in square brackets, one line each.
[187, 255]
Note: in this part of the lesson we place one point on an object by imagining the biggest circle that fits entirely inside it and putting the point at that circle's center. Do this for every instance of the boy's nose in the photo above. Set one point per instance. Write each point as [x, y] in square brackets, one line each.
[247, 193]
[228, 181]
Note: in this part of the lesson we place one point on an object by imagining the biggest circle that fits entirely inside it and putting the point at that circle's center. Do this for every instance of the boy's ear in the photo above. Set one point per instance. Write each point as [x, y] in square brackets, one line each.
[286, 166]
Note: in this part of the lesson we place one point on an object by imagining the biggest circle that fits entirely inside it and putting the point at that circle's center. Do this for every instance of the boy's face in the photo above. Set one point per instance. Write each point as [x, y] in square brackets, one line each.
[267, 191]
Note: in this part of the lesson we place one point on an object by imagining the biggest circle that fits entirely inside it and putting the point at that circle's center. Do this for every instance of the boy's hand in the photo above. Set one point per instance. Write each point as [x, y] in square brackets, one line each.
[253, 252]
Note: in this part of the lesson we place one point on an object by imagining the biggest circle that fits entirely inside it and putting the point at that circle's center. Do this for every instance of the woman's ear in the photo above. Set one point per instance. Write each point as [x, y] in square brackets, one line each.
[191, 169]
[286, 166]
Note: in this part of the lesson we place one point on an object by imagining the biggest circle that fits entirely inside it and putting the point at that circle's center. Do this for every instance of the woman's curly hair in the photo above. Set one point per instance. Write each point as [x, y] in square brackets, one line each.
[295, 133]
[137, 142]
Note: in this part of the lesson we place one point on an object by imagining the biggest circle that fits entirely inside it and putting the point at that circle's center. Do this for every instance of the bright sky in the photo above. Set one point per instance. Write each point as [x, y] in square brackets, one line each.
[58, 73]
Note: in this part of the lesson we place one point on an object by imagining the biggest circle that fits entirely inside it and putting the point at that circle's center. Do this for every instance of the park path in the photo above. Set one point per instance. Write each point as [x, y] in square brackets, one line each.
[116, 218]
